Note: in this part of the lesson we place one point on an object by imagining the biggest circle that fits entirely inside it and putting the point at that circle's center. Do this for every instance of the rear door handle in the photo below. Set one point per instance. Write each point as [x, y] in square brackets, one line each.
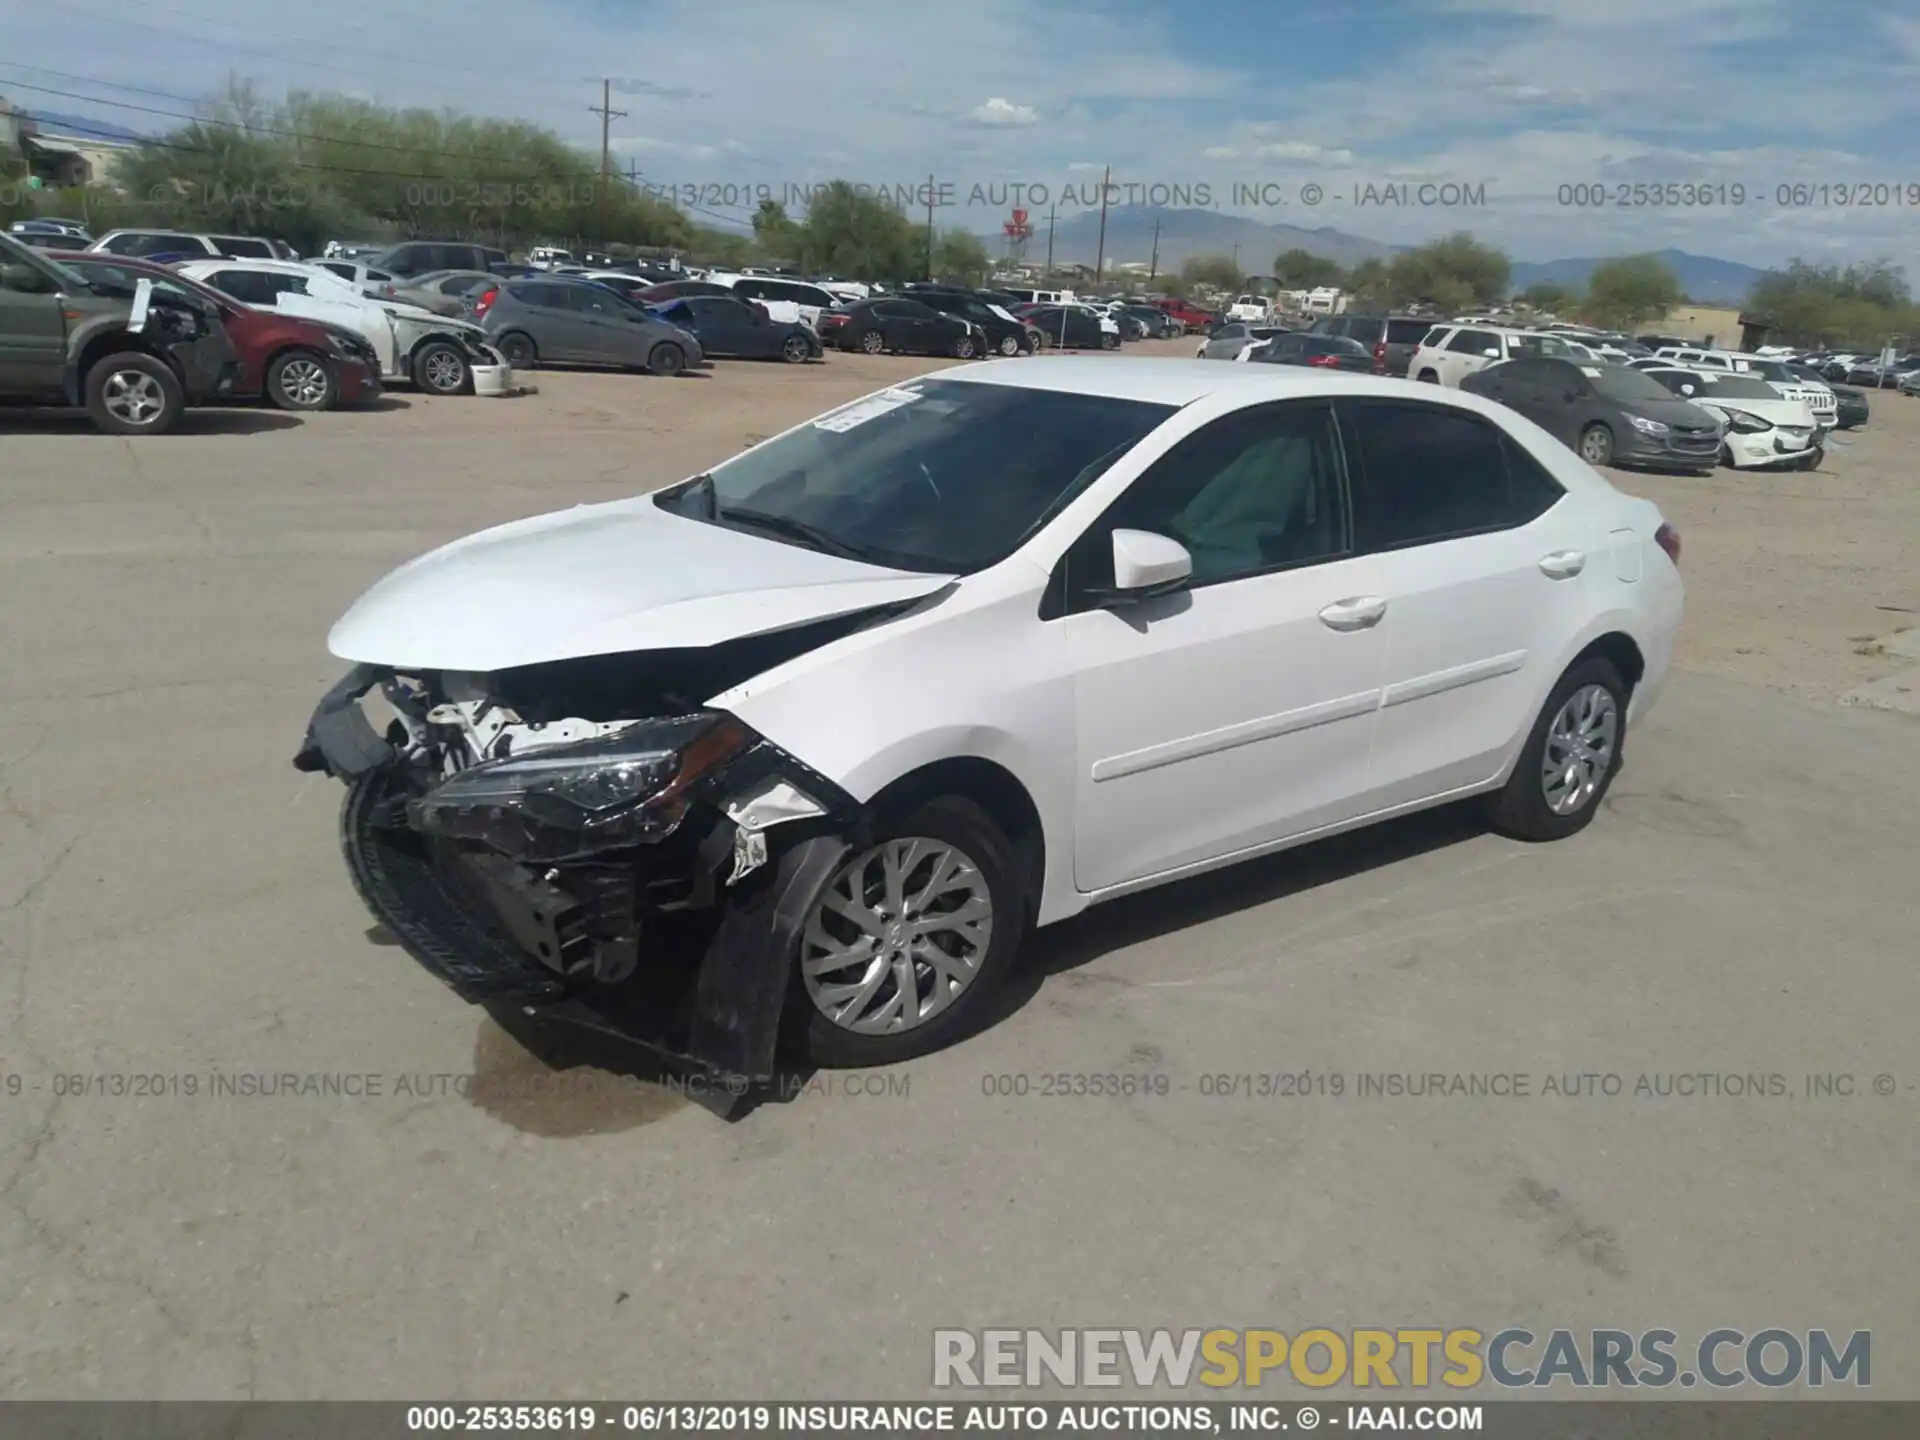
[1357, 612]
[1562, 564]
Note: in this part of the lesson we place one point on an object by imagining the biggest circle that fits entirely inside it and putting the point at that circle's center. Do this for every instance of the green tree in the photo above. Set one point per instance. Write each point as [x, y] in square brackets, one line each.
[1808, 304]
[962, 256]
[1298, 269]
[1628, 291]
[850, 233]
[779, 237]
[1456, 272]
[1550, 296]
[1219, 271]
[1370, 286]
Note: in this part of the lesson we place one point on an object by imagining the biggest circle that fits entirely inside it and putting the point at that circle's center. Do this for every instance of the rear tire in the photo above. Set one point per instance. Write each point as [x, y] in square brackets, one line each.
[872, 343]
[1010, 345]
[963, 348]
[962, 829]
[1582, 729]
[301, 380]
[1430, 377]
[132, 393]
[518, 350]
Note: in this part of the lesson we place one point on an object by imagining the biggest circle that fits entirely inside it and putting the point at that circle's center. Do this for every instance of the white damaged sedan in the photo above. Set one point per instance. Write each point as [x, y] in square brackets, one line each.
[792, 755]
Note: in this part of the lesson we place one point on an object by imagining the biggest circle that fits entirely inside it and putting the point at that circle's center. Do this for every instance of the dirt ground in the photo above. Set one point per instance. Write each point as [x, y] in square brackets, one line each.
[173, 910]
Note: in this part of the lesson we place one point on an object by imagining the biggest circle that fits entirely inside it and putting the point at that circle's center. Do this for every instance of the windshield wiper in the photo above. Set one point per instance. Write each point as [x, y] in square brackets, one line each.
[701, 485]
[789, 528]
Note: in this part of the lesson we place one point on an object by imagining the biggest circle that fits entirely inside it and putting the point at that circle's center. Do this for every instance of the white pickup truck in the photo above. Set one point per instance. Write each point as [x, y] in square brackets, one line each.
[1250, 308]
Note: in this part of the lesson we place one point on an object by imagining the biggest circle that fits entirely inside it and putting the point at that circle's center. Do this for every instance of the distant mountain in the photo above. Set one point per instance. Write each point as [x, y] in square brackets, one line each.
[1702, 277]
[1187, 233]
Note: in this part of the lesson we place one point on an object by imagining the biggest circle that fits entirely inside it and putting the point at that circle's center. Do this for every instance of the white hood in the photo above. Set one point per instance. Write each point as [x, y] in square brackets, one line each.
[602, 580]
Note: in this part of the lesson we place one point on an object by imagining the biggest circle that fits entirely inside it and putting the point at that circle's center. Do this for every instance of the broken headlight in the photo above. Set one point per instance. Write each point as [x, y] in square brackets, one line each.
[628, 788]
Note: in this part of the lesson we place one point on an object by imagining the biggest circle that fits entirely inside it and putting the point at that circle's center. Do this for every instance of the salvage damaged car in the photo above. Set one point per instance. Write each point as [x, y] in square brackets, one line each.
[789, 757]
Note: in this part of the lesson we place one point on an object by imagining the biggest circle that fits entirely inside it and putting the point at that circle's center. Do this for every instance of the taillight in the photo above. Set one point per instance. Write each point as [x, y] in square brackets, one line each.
[1325, 362]
[1668, 539]
[485, 302]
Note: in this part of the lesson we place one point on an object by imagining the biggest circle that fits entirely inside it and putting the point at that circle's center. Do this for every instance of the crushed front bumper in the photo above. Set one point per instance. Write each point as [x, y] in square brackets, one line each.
[714, 966]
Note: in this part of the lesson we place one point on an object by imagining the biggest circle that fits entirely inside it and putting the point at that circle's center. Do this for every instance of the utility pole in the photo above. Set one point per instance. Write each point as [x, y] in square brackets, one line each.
[1050, 213]
[607, 115]
[1100, 255]
[929, 227]
[1153, 265]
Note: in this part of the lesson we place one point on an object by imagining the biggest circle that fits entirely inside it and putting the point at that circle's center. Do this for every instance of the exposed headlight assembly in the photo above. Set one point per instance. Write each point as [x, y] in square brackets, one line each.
[1747, 424]
[629, 788]
[1646, 426]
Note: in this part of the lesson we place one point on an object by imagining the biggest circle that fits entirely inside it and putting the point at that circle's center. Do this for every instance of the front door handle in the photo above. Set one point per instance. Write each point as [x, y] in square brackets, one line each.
[1357, 612]
[1562, 564]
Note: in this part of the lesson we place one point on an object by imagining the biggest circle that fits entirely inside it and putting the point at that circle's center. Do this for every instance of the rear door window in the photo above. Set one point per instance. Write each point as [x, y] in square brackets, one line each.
[1427, 474]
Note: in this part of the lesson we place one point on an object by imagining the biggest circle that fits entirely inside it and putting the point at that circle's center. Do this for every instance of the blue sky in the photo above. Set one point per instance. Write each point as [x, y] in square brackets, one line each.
[1516, 97]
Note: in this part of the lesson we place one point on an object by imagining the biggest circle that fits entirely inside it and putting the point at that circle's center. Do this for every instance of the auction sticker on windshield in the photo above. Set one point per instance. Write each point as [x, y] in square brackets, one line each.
[862, 411]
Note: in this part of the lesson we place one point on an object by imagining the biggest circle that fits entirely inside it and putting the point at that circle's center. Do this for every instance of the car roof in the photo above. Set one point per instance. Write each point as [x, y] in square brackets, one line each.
[1174, 381]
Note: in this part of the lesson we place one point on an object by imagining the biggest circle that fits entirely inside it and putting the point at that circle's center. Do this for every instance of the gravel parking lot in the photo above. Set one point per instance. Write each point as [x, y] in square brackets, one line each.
[459, 1217]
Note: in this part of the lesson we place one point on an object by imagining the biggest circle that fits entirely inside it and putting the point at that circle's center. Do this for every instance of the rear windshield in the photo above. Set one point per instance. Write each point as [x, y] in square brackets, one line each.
[1406, 332]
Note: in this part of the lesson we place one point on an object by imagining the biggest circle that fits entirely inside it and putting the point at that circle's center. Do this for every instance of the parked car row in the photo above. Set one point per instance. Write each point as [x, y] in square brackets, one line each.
[136, 342]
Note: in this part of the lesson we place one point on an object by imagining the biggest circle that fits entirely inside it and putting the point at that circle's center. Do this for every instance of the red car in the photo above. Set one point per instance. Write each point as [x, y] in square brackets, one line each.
[1187, 313]
[298, 364]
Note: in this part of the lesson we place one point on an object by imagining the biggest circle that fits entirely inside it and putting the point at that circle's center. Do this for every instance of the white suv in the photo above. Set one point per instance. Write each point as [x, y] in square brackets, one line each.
[1450, 353]
[1815, 396]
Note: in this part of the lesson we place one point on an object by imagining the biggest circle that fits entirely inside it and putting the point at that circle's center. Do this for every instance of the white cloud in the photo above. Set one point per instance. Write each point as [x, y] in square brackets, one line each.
[1220, 152]
[1304, 150]
[1002, 111]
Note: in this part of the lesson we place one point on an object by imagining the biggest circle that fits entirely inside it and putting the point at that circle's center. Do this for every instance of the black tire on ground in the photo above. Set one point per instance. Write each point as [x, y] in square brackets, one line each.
[1009, 345]
[1596, 445]
[811, 1036]
[1109, 341]
[666, 359]
[301, 380]
[795, 350]
[1519, 809]
[440, 368]
[518, 349]
[132, 393]
[873, 342]
[963, 348]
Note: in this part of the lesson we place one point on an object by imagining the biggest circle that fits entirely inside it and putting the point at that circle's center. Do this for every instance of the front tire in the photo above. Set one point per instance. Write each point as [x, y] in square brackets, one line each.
[440, 369]
[301, 380]
[1596, 445]
[1109, 341]
[905, 944]
[963, 348]
[666, 359]
[133, 393]
[1430, 377]
[1010, 345]
[1570, 758]
[795, 350]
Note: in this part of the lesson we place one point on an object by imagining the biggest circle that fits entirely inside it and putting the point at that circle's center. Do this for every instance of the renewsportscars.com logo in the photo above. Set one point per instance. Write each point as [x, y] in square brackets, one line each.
[1460, 1359]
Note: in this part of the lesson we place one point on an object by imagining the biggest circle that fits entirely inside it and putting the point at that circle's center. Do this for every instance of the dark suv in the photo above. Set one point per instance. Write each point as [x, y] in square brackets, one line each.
[67, 339]
[1391, 338]
[1006, 333]
[417, 257]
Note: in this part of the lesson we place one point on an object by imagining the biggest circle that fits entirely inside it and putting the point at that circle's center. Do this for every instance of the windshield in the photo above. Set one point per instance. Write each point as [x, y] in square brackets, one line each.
[1770, 370]
[942, 476]
[1617, 382]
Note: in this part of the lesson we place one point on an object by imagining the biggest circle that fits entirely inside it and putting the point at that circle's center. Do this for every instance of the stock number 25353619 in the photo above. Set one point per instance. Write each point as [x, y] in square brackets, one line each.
[1061, 1083]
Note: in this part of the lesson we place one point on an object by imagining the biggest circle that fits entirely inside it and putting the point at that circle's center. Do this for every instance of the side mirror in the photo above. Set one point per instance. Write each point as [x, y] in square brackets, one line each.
[1493, 353]
[1146, 564]
[25, 279]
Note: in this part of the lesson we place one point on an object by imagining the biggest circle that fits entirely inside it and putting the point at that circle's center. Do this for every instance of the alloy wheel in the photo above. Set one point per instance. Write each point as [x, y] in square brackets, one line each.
[1580, 747]
[897, 936]
[133, 397]
[303, 382]
[444, 372]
